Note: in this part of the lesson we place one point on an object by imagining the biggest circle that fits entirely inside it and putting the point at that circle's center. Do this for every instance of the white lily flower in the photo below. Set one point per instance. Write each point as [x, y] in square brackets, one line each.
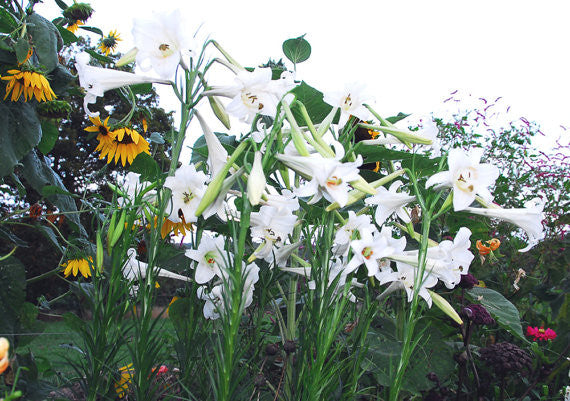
[256, 181]
[528, 218]
[188, 187]
[279, 255]
[134, 270]
[368, 250]
[96, 80]
[161, 43]
[344, 234]
[328, 177]
[389, 201]
[429, 131]
[215, 298]
[350, 101]
[287, 200]
[272, 225]
[467, 177]
[448, 261]
[217, 154]
[253, 93]
[132, 186]
[405, 277]
[209, 258]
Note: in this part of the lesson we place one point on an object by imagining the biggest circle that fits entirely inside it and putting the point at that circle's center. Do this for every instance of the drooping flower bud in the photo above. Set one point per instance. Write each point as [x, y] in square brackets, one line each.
[478, 314]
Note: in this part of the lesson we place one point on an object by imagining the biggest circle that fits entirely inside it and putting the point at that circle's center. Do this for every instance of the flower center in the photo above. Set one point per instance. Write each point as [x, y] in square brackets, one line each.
[334, 181]
[210, 258]
[187, 197]
[465, 179]
[367, 252]
[347, 104]
[252, 101]
[165, 50]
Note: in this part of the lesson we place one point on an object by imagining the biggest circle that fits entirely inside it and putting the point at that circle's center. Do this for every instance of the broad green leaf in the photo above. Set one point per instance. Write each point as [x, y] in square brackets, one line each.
[50, 234]
[394, 119]
[50, 133]
[15, 240]
[29, 324]
[39, 174]
[12, 293]
[22, 46]
[156, 138]
[297, 50]
[8, 22]
[46, 40]
[504, 312]
[7, 56]
[146, 166]
[200, 149]
[20, 131]
[67, 36]
[313, 101]
[141, 89]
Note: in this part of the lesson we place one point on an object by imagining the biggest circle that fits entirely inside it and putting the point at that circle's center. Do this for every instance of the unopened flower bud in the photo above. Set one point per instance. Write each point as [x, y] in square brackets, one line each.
[289, 347]
[271, 349]
[256, 181]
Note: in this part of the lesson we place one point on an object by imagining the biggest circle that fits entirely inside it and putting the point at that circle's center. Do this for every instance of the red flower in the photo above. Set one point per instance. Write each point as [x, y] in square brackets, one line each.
[540, 334]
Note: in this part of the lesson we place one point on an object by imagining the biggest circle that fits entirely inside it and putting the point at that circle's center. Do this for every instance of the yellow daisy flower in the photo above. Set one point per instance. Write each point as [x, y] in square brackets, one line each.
[109, 43]
[76, 266]
[103, 132]
[30, 84]
[127, 144]
[74, 27]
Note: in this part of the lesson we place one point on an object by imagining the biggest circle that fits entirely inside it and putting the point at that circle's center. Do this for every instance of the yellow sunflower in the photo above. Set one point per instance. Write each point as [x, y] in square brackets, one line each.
[78, 266]
[168, 226]
[127, 144]
[74, 27]
[109, 43]
[30, 83]
[103, 132]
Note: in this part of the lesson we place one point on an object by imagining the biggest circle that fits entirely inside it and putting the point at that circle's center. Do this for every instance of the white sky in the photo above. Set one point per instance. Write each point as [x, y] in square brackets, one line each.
[411, 54]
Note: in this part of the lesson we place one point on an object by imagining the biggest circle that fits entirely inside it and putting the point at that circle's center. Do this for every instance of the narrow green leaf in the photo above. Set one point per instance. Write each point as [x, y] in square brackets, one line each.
[8, 22]
[67, 36]
[61, 4]
[99, 57]
[92, 29]
[297, 50]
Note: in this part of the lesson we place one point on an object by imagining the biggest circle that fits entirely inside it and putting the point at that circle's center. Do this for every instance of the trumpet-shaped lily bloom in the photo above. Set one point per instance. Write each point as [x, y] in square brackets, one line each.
[188, 187]
[215, 298]
[344, 234]
[389, 201]
[328, 177]
[96, 81]
[253, 93]
[372, 247]
[162, 42]
[528, 218]
[209, 258]
[272, 224]
[466, 176]
[405, 276]
[217, 154]
[350, 101]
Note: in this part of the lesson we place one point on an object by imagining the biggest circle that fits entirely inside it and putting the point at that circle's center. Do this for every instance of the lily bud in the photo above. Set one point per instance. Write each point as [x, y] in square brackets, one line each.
[217, 154]
[256, 181]
[128, 57]
[445, 306]
[220, 111]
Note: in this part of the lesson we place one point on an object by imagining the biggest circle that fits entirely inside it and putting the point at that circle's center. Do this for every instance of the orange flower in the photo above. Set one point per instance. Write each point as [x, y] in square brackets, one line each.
[483, 250]
[169, 226]
[494, 244]
[4, 361]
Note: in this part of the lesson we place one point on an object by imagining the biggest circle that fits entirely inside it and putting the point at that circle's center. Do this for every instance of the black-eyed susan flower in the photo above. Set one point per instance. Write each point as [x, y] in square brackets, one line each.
[75, 266]
[29, 83]
[109, 43]
[103, 132]
[127, 144]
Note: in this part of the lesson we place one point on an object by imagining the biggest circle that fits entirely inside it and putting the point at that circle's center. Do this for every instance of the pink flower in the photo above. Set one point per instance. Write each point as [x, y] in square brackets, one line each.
[540, 334]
